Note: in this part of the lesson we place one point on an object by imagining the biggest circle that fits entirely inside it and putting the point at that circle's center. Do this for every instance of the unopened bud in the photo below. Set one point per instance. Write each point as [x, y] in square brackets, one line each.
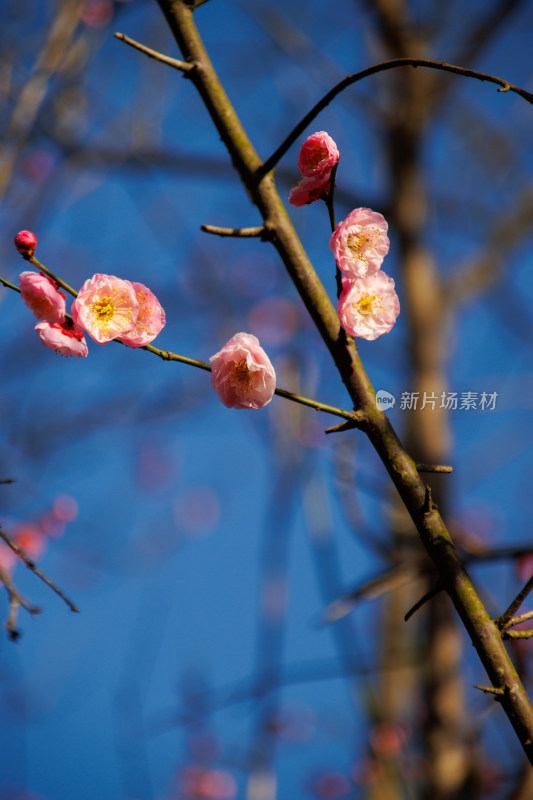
[26, 242]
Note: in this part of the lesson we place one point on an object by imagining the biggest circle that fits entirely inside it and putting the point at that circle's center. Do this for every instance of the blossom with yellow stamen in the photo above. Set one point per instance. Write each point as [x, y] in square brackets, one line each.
[368, 307]
[106, 308]
[360, 243]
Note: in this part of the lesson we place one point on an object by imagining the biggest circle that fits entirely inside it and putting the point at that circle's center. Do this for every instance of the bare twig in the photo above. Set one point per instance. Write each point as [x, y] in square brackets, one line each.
[502, 621]
[33, 567]
[183, 66]
[423, 600]
[15, 601]
[517, 620]
[259, 231]
[441, 468]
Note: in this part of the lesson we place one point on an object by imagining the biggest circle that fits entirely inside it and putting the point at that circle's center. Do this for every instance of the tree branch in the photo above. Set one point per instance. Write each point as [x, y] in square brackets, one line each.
[484, 633]
[504, 85]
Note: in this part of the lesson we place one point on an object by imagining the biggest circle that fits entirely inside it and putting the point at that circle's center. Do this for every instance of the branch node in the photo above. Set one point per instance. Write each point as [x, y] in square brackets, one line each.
[506, 88]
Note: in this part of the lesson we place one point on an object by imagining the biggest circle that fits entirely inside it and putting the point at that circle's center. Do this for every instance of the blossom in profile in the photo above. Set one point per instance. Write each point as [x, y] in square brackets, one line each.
[309, 190]
[318, 155]
[63, 337]
[26, 242]
[41, 295]
[150, 319]
[242, 374]
[360, 243]
[368, 307]
[106, 308]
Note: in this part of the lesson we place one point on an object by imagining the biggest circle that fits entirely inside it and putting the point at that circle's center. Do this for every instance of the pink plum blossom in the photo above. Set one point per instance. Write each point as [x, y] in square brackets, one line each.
[309, 190]
[63, 337]
[150, 320]
[106, 308]
[242, 374]
[360, 243]
[318, 155]
[368, 306]
[41, 295]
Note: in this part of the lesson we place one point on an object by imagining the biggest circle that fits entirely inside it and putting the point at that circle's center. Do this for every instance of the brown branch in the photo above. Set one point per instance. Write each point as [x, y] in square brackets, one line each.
[504, 85]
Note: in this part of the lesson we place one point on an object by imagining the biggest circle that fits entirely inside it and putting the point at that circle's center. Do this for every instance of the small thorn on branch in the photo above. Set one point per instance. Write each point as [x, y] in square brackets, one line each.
[258, 231]
[434, 468]
[183, 66]
[490, 690]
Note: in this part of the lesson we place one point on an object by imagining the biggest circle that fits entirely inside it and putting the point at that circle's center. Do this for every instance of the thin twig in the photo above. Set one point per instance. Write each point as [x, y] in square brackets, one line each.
[33, 567]
[54, 277]
[517, 634]
[434, 468]
[15, 601]
[183, 66]
[423, 600]
[517, 620]
[502, 621]
[259, 230]
[9, 285]
[505, 86]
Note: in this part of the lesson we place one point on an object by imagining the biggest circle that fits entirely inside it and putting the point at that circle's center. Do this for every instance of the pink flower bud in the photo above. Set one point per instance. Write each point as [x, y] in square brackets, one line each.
[368, 307]
[63, 337]
[26, 242]
[106, 308]
[318, 155]
[150, 320]
[242, 374]
[360, 243]
[41, 295]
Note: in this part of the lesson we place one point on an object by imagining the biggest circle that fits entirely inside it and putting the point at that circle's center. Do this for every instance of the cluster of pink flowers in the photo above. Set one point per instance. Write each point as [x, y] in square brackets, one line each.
[316, 160]
[368, 305]
[106, 308]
